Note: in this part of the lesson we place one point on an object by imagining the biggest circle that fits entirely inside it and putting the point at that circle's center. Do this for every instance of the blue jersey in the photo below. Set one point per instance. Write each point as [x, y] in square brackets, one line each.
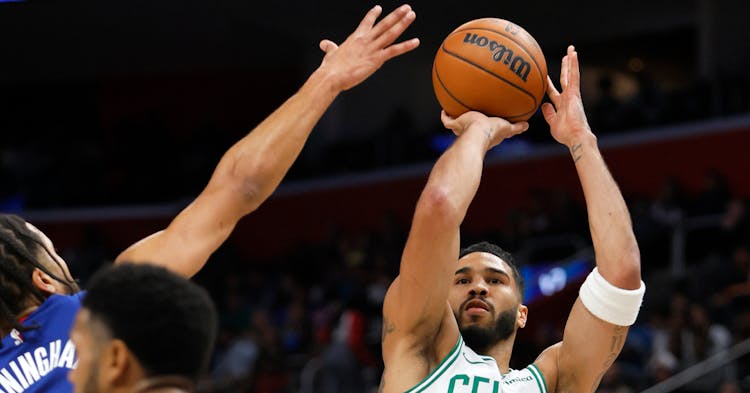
[38, 360]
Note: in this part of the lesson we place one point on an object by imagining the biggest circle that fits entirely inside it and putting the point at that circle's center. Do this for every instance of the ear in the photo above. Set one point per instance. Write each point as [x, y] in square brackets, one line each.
[44, 282]
[116, 364]
[521, 316]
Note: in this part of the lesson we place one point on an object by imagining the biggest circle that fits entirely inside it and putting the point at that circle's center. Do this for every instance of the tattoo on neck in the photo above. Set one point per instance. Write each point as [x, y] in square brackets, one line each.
[576, 151]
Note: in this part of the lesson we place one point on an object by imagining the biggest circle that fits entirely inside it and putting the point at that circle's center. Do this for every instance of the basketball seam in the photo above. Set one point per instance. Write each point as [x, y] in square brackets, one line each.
[496, 76]
[440, 80]
[517, 43]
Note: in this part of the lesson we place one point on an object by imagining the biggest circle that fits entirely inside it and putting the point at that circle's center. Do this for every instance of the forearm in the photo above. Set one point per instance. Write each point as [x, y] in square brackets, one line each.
[617, 254]
[457, 173]
[417, 299]
[259, 161]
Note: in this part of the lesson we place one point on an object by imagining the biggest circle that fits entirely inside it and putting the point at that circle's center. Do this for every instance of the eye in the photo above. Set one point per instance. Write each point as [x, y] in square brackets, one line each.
[495, 281]
[462, 281]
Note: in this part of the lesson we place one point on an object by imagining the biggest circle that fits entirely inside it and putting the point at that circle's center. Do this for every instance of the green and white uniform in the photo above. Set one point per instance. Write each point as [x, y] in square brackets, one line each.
[463, 371]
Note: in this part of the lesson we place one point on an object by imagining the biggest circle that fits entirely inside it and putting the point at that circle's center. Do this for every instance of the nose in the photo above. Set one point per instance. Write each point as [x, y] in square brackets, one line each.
[478, 288]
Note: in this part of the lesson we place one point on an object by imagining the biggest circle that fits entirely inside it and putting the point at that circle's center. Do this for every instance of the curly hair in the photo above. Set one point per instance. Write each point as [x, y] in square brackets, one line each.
[19, 250]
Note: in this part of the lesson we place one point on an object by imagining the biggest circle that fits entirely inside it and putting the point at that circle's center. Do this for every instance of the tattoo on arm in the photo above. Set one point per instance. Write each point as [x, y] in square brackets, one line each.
[388, 328]
[618, 340]
[576, 151]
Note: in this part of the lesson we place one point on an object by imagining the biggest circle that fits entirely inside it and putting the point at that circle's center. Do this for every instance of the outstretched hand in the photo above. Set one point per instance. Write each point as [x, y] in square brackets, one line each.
[496, 129]
[368, 47]
[566, 116]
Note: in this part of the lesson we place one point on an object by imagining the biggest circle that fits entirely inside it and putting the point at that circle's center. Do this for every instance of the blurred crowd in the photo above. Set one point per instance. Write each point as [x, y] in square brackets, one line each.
[308, 320]
[58, 141]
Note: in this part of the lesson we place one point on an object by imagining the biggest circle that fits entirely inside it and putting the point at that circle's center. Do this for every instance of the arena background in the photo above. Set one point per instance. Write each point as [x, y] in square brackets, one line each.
[113, 115]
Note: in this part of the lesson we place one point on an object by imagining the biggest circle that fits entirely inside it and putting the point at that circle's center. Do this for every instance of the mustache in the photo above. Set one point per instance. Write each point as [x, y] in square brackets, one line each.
[490, 307]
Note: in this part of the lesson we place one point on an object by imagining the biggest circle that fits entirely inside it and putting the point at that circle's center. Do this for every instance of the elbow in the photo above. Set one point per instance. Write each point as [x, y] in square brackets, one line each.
[250, 192]
[632, 263]
[628, 272]
[437, 205]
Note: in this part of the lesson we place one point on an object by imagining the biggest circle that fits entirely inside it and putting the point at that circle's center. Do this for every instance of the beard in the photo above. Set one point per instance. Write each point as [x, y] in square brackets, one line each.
[481, 339]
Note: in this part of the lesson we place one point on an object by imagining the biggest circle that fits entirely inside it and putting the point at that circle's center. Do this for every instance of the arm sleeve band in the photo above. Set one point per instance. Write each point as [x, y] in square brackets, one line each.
[610, 303]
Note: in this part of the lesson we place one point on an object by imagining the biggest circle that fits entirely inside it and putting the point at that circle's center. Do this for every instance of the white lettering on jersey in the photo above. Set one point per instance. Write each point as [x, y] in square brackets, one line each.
[30, 367]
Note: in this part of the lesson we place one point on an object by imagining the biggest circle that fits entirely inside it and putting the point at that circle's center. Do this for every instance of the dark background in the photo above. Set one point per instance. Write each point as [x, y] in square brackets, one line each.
[134, 102]
[114, 114]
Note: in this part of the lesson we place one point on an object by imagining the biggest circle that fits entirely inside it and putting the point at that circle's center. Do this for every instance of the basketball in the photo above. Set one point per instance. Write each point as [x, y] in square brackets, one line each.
[492, 66]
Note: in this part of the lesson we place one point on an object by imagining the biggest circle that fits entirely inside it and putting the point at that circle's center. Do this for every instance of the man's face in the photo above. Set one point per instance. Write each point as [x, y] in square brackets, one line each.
[484, 298]
[85, 377]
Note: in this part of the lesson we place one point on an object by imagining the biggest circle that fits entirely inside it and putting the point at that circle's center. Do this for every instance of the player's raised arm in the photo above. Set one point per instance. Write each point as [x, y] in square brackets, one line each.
[416, 303]
[611, 296]
[252, 169]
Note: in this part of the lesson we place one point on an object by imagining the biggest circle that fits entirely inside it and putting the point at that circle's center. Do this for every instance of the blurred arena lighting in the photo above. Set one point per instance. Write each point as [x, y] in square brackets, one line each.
[544, 280]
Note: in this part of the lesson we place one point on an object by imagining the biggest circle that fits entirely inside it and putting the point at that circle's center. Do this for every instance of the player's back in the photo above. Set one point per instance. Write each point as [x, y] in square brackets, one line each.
[38, 360]
[464, 371]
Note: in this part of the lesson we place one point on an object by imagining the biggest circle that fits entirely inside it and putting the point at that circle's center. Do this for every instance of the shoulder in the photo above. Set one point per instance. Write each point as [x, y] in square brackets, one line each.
[529, 379]
[60, 304]
[545, 367]
[72, 300]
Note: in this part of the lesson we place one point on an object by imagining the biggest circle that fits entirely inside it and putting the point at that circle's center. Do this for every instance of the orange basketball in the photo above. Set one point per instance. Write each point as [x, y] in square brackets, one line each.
[492, 66]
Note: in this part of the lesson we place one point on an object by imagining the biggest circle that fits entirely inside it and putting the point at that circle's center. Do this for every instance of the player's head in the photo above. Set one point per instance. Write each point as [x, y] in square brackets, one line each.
[487, 296]
[30, 270]
[141, 325]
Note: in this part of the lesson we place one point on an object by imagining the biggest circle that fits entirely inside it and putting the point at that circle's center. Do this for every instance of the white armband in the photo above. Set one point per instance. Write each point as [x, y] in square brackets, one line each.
[610, 303]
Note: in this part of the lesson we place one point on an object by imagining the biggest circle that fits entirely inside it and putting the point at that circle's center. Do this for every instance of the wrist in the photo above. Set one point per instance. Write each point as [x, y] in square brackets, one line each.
[482, 133]
[585, 142]
[323, 80]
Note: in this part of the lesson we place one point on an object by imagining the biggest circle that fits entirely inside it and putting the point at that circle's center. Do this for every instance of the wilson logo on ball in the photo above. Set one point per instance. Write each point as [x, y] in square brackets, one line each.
[517, 64]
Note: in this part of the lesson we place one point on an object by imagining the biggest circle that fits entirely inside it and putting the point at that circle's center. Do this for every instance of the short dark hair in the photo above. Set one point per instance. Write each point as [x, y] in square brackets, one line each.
[19, 251]
[168, 322]
[502, 254]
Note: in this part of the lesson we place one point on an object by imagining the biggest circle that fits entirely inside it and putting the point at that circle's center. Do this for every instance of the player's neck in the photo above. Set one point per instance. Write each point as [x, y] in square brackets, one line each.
[501, 352]
[26, 311]
[5, 328]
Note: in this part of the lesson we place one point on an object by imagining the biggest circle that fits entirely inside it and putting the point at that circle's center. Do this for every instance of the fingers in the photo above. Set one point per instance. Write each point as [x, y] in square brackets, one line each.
[447, 120]
[369, 19]
[552, 92]
[328, 45]
[549, 112]
[400, 48]
[390, 20]
[517, 128]
[570, 76]
[574, 73]
[390, 35]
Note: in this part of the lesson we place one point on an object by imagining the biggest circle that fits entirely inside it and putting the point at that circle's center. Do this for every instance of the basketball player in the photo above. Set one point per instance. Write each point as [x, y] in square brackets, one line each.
[154, 336]
[450, 319]
[38, 296]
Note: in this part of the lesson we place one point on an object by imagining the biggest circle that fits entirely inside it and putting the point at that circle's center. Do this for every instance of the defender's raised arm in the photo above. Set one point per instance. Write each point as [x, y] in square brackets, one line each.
[252, 169]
